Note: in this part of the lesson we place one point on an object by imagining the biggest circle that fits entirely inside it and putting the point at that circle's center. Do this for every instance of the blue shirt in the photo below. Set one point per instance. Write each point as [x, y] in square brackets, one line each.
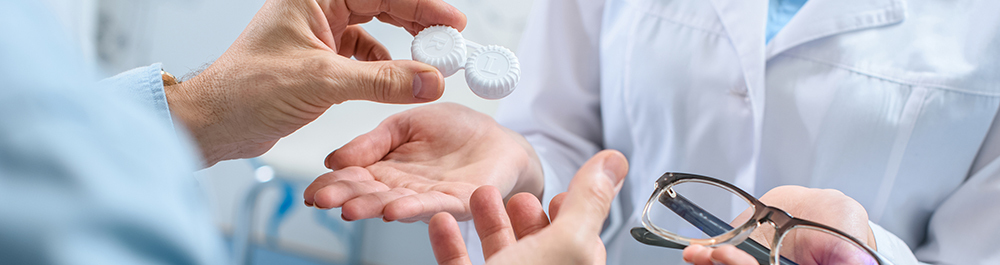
[779, 12]
[90, 174]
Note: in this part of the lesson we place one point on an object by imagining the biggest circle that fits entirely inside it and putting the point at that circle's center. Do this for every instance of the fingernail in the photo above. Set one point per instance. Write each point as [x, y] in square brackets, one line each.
[307, 203]
[613, 166]
[345, 218]
[696, 248]
[425, 85]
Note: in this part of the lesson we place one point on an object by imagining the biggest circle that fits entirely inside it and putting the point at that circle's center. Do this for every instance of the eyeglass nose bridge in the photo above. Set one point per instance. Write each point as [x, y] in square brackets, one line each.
[775, 216]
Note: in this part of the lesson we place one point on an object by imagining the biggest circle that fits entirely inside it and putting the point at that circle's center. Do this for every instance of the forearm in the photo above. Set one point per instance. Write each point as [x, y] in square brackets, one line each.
[196, 118]
[228, 118]
[175, 104]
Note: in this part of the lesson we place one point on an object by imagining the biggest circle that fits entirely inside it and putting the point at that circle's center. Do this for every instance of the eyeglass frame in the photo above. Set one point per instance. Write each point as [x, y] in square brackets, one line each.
[720, 231]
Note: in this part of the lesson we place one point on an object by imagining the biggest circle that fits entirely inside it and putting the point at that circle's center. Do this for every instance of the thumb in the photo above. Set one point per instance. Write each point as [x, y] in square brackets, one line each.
[591, 191]
[399, 81]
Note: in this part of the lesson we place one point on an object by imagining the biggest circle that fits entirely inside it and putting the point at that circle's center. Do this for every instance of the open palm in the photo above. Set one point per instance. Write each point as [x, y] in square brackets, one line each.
[424, 161]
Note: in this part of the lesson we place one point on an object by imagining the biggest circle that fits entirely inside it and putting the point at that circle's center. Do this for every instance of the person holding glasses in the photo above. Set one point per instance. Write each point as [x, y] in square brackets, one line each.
[892, 102]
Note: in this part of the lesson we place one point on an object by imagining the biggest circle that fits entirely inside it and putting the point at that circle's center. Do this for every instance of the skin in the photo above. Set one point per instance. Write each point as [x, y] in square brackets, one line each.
[432, 159]
[825, 206]
[424, 161]
[522, 234]
[293, 62]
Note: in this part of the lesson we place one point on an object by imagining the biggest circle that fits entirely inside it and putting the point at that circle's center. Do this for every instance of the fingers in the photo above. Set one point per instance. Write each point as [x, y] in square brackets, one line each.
[698, 255]
[400, 81]
[729, 254]
[371, 147]
[386, 18]
[591, 191]
[446, 240]
[336, 185]
[555, 204]
[421, 206]
[492, 223]
[726, 254]
[341, 192]
[403, 205]
[358, 43]
[526, 215]
[358, 19]
[421, 12]
[372, 205]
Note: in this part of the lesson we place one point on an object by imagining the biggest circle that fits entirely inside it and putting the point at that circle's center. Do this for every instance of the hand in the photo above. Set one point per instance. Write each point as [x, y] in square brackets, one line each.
[573, 237]
[825, 206]
[424, 161]
[292, 63]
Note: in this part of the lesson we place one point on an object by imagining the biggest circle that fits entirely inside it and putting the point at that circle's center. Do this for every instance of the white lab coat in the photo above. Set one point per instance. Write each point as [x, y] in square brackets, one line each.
[889, 101]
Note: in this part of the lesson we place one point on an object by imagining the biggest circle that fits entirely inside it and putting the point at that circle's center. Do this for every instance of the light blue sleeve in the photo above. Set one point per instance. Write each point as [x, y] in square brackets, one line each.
[144, 86]
[88, 176]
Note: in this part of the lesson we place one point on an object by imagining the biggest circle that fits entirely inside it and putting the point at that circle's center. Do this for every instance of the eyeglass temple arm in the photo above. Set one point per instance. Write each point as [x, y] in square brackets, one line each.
[713, 226]
[643, 235]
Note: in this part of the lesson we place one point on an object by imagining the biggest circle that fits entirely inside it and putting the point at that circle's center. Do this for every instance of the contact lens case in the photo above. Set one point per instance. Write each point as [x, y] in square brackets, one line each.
[492, 71]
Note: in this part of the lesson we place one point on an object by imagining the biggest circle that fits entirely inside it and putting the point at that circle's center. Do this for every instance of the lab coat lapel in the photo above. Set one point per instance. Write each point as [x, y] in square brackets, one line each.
[744, 22]
[822, 18]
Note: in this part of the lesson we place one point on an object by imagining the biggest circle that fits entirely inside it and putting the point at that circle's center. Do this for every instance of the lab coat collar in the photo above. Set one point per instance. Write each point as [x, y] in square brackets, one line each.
[822, 18]
[744, 22]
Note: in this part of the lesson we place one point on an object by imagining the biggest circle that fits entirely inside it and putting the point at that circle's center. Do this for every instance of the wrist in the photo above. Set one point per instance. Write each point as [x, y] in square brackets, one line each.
[185, 106]
[531, 178]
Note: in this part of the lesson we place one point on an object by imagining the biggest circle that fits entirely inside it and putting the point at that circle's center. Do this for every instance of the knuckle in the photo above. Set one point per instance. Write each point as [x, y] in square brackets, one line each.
[319, 71]
[418, 10]
[317, 64]
[384, 83]
[600, 197]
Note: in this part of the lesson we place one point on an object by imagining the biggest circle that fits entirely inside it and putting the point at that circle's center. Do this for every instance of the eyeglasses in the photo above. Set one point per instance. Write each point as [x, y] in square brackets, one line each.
[695, 202]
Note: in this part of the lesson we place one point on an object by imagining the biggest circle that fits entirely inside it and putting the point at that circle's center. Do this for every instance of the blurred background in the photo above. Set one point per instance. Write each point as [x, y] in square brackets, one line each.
[262, 197]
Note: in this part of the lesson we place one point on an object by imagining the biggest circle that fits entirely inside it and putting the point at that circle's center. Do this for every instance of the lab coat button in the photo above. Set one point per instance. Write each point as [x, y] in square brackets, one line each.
[740, 90]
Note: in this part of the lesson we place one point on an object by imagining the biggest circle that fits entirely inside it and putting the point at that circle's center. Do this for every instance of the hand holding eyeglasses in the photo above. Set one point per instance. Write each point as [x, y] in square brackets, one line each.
[826, 206]
[687, 209]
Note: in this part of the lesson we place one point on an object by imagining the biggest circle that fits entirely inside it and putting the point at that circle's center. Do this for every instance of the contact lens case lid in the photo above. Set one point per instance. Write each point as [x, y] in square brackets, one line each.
[492, 72]
[442, 47]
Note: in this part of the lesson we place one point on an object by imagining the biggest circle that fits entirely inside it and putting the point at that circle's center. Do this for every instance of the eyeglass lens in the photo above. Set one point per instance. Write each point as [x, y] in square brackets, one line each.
[695, 209]
[810, 246]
